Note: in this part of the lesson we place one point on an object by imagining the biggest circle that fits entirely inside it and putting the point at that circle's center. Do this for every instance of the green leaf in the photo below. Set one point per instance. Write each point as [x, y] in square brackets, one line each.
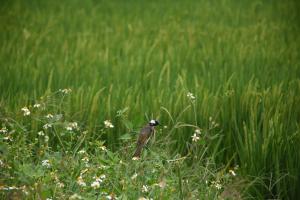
[126, 136]
[30, 172]
[128, 124]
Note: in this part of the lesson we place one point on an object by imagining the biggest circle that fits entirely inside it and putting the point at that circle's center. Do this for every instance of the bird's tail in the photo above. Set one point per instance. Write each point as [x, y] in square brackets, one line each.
[138, 151]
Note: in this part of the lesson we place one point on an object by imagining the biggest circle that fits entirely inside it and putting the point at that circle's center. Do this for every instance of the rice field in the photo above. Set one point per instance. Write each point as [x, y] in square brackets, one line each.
[78, 80]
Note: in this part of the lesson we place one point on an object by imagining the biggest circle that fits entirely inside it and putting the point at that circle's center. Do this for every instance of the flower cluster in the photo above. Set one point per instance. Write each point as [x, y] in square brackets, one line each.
[86, 161]
[41, 133]
[145, 188]
[80, 181]
[82, 151]
[98, 180]
[46, 138]
[3, 130]
[26, 111]
[196, 137]
[49, 116]
[75, 196]
[217, 185]
[108, 124]
[72, 126]
[135, 158]
[191, 96]
[46, 163]
[232, 172]
[37, 105]
[46, 126]
[65, 91]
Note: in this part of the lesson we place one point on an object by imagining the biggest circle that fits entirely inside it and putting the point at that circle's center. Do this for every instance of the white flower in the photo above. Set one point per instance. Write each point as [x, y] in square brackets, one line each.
[103, 148]
[26, 111]
[103, 167]
[111, 196]
[46, 163]
[198, 131]
[108, 124]
[46, 126]
[232, 172]
[85, 159]
[37, 105]
[143, 198]
[1, 163]
[82, 151]
[218, 186]
[103, 176]
[98, 179]
[75, 196]
[41, 133]
[7, 138]
[145, 188]
[165, 127]
[49, 199]
[46, 138]
[60, 185]
[71, 126]
[135, 158]
[74, 124]
[134, 176]
[3, 130]
[191, 96]
[65, 91]
[195, 137]
[95, 184]
[80, 181]
[49, 116]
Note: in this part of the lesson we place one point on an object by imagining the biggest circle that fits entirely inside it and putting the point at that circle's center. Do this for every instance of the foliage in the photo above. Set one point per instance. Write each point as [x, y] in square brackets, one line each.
[228, 68]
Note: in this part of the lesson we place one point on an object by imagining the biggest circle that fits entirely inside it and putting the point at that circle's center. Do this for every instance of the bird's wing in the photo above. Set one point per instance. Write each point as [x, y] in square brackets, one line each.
[144, 135]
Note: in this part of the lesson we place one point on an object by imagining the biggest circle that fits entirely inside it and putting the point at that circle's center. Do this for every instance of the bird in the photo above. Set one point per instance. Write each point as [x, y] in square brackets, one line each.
[144, 137]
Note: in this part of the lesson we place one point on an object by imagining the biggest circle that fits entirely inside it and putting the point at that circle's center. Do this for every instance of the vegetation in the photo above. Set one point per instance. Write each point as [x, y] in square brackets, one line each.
[80, 78]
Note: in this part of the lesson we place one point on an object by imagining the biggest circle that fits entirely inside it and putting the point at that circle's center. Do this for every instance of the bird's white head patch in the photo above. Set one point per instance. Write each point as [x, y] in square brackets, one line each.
[153, 122]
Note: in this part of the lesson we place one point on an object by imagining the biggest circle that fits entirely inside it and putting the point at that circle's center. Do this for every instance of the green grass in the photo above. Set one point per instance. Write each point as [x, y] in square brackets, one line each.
[135, 60]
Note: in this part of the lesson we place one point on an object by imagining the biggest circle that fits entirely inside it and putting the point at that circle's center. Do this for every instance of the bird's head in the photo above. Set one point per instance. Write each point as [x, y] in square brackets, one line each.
[153, 122]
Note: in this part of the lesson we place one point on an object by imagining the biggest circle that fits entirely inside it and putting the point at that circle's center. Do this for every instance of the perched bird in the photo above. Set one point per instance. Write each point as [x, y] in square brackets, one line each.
[144, 137]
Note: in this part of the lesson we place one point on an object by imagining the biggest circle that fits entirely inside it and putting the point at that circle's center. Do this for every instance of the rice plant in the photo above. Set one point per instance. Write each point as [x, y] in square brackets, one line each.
[84, 76]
